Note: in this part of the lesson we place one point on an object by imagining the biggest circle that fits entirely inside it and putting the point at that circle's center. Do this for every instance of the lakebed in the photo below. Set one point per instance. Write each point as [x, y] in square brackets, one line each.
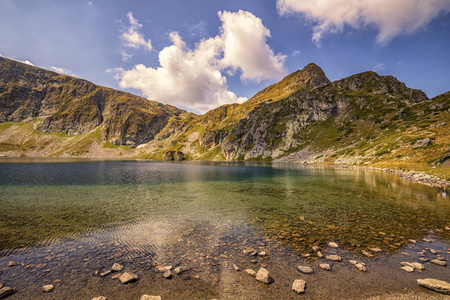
[67, 222]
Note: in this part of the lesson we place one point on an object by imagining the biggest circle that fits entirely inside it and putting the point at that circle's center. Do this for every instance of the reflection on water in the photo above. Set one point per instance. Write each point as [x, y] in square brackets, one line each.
[200, 214]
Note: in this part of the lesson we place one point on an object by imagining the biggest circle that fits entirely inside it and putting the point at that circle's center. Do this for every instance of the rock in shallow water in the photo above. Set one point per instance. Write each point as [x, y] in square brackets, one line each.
[128, 278]
[263, 276]
[116, 267]
[250, 272]
[407, 269]
[299, 286]
[435, 285]
[148, 297]
[305, 269]
[438, 262]
[325, 267]
[361, 267]
[333, 245]
[6, 291]
[333, 257]
[47, 288]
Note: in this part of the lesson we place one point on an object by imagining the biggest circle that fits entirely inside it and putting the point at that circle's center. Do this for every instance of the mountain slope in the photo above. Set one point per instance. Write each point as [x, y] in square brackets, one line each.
[73, 106]
[364, 119]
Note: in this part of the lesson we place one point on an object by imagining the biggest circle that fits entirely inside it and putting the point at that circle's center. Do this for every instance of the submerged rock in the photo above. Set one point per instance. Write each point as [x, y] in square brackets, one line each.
[333, 257]
[128, 278]
[12, 263]
[167, 274]
[305, 269]
[439, 262]
[333, 245]
[439, 286]
[407, 269]
[116, 267]
[6, 291]
[299, 286]
[361, 267]
[178, 270]
[263, 276]
[47, 288]
[250, 272]
[325, 267]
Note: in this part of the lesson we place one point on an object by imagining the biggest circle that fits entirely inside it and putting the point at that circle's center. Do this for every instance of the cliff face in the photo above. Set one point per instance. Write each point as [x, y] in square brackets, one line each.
[74, 106]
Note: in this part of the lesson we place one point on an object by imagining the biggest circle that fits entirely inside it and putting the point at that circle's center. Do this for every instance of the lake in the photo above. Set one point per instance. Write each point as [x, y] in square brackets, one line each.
[66, 221]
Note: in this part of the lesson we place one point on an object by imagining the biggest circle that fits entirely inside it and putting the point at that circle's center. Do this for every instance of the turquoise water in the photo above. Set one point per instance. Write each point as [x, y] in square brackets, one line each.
[205, 216]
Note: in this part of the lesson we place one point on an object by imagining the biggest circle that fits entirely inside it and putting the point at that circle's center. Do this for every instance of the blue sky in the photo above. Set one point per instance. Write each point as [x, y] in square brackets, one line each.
[199, 54]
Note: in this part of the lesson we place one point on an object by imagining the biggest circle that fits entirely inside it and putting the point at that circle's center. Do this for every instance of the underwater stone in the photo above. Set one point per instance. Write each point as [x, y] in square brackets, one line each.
[305, 269]
[263, 276]
[439, 286]
[299, 286]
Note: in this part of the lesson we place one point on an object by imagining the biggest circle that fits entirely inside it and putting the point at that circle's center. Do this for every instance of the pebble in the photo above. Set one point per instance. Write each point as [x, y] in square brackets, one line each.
[6, 291]
[164, 269]
[47, 288]
[236, 268]
[325, 267]
[407, 269]
[128, 278]
[353, 262]
[333, 245]
[319, 254]
[262, 253]
[361, 267]
[178, 270]
[305, 269]
[439, 286]
[116, 276]
[333, 257]
[299, 286]
[99, 298]
[116, 267]
[423, 259]
[438, 262]
[103, 274]
[263, 276]
[250, 272]
[433, 251]
[418, 266]
[148, 297]
[315, 248]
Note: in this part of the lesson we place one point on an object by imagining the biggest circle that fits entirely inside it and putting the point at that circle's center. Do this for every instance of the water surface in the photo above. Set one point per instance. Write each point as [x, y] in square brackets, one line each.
[67, 221]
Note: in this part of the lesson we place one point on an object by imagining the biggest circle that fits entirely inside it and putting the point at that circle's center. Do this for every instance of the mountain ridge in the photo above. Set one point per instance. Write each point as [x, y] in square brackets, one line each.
[363, 119]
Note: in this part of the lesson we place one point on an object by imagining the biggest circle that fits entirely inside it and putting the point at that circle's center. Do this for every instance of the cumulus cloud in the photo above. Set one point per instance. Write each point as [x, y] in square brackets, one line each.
[391, 18]
[62, 71]
[132, 38]
[193, 78]
[22, 61]
[244, 42]
[187, 78]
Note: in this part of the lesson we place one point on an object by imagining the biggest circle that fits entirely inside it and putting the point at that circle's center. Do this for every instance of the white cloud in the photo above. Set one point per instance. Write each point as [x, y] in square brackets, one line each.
[378, 67]
[186, 78]
[22, 61]
[391, 18]
[244, 42]
[63, 71]
[192, 78]
[132, 37]
[89, 3]
[296, 52]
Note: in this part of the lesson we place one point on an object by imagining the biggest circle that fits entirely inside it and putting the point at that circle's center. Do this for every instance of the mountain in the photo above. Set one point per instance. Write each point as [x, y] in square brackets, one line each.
[365, 119]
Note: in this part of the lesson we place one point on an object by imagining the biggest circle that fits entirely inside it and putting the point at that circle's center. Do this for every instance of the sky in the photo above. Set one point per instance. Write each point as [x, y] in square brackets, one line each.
[200, 54]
